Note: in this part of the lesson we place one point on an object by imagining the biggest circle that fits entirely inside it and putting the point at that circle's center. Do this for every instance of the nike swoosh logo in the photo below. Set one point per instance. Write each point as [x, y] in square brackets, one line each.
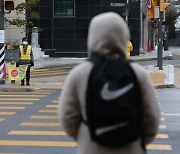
[108, 95]
[100, 131]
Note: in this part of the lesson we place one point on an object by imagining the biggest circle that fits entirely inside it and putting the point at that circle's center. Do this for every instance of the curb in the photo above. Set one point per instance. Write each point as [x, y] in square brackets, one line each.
[150, 59]
[164, 86]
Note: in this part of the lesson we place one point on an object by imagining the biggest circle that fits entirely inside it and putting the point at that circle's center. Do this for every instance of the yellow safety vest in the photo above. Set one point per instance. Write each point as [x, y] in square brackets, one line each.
[27, 54]
[129, 49]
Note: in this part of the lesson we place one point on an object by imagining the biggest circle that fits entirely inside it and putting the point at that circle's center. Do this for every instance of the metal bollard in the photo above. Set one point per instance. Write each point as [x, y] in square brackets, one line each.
[13, 63]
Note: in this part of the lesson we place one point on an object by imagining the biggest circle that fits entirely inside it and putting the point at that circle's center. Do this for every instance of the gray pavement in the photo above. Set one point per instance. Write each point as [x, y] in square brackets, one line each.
[160, 78]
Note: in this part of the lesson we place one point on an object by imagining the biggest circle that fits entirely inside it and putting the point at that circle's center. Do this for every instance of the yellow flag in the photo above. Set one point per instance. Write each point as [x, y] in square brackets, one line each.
[17, 73]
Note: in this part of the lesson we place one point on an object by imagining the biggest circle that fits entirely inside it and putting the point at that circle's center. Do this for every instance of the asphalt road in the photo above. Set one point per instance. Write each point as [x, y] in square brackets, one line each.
[170, 111]
[29, 122]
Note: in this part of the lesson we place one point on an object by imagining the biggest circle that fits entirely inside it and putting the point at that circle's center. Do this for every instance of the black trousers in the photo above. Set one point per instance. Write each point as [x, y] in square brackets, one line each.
[27, 75]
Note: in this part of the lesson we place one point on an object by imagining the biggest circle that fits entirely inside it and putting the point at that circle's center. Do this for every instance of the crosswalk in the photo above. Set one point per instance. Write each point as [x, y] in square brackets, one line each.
[159, 144]
[29, 121]
[50, 72]
[39, 128]
[159, 140]
[45, 78]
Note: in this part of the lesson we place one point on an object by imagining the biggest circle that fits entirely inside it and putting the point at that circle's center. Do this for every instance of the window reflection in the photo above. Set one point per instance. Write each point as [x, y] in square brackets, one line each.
[63, 7]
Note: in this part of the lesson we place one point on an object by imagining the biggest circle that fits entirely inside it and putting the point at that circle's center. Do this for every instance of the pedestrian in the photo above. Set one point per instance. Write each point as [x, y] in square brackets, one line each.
[25, 58]
[129, 49]
[107, 38]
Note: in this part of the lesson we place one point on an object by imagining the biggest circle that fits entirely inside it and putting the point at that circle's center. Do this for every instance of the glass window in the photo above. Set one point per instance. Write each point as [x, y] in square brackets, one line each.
[63, 8]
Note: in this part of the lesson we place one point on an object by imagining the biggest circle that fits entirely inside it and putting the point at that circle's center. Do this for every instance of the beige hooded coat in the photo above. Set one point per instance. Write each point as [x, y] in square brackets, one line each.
[107, 33]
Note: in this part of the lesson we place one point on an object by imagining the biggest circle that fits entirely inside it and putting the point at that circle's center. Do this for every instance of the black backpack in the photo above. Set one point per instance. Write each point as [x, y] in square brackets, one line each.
[113, 103]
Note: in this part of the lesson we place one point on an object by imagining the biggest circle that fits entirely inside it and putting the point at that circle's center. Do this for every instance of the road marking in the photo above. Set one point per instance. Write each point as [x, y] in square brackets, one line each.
[47, 111]
[22, 95]
[40, 70]
[51, 105]
[2, 119]
[44, 91]
[7, 113]
[44, 117]
[50, 72]
[162, 126]
[162, 136]
[50, 133]
[158, 147]
[36, 143]
[55, 101]
[40, 124]
[16, 103]
[176, 114]
[12, 108]
[45, 74]
[162, 119]
[25, 93]
[19, 99]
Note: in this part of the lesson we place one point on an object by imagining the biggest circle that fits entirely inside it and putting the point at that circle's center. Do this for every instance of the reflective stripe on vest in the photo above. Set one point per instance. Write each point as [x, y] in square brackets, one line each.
[27, 54]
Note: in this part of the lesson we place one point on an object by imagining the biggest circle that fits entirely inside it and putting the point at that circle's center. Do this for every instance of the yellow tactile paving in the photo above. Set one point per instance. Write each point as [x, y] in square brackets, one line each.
[158, 147]
[53, 124]
[7, 113]
[36, 143]
[162, 136]
[46, 133]
[44, 117]
[48, 111]
[12, 107]
[51, 106]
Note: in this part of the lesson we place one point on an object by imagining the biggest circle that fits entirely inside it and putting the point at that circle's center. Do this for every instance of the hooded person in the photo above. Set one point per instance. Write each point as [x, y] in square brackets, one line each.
[108, 35]
[25, 58]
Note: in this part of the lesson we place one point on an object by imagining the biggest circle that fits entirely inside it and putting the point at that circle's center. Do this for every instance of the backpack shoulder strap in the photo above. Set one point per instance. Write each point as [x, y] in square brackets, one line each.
[141, 105]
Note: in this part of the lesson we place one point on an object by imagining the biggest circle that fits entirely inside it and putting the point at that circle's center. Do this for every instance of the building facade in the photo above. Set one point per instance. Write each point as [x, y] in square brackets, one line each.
[65, 24]
[14, 34]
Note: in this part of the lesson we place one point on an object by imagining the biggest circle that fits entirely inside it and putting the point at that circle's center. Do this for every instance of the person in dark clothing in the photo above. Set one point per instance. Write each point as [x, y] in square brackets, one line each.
[25, 58]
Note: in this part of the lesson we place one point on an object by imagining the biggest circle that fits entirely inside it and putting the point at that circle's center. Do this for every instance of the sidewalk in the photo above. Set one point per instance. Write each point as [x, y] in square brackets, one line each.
[160, 78]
